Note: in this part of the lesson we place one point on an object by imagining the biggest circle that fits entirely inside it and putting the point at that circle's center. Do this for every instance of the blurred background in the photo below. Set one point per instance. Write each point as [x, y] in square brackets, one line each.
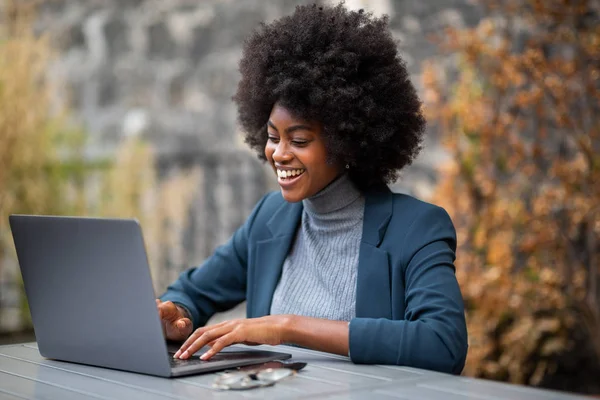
[122, 108]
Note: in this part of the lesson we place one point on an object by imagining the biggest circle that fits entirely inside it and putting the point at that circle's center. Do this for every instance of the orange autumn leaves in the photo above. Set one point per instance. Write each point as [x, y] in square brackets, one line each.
[519, 118]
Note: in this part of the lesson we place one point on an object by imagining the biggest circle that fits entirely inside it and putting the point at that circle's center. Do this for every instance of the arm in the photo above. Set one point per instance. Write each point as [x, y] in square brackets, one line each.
[219, 283]
[433, 334]
[313, 333]
[317, 334]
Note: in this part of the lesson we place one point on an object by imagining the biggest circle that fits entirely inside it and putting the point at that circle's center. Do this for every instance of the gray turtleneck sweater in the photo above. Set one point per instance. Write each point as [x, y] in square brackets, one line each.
[319, 274]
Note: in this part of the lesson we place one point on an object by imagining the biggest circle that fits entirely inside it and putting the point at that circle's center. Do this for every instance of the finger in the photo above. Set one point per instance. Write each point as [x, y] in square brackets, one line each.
[191, 339]
[160, 311]
[178, 330]
[183, 327]
[219, 345]
[168, 311]
[182, 324]
[194, 336]
[187, 343]
[206, 337]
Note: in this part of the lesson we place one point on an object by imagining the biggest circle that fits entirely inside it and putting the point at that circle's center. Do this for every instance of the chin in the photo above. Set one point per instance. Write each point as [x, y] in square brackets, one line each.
[291, 197]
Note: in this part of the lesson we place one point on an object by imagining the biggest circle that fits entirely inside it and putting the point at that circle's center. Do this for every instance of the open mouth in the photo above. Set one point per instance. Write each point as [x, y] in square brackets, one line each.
[288, 178]
[289, 175]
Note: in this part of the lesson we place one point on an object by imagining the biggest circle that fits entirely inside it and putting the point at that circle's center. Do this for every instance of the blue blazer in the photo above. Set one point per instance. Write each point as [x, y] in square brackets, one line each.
[409, 309]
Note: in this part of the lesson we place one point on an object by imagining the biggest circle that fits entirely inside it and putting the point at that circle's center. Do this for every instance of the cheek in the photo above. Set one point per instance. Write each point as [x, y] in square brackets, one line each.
[328, 172]
[268, 152]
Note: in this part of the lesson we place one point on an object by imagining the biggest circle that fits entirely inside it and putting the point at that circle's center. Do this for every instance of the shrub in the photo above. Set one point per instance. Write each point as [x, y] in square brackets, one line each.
[42, 165]
[523, 187]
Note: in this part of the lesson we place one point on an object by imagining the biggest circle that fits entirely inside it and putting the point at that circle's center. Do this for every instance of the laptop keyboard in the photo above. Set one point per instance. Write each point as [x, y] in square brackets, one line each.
[233, 356]
[176, 362]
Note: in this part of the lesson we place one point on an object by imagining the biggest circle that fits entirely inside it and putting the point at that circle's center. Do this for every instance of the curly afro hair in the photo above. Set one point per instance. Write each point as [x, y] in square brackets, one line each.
[342, 69]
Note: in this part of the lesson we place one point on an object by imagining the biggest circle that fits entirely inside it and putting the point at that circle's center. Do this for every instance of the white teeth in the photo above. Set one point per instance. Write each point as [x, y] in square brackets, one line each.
[289, 173]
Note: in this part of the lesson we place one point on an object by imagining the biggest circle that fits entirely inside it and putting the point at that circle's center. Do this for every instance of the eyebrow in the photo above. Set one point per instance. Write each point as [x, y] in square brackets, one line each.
[292, 128]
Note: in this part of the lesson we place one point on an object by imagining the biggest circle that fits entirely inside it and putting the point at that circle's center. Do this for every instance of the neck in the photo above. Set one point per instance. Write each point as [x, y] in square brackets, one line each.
[339, 194]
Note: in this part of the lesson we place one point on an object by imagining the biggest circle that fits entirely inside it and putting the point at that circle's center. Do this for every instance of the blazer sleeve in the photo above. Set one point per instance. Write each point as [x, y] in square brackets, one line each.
[220, 282]
[433, 334]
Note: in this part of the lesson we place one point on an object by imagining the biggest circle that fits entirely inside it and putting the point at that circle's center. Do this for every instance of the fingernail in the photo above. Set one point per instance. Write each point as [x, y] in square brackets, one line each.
[204, 356]
[177, 354]
[185, 354]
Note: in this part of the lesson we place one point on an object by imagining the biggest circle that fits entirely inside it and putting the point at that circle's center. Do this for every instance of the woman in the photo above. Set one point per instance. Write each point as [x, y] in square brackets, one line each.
[334, 261]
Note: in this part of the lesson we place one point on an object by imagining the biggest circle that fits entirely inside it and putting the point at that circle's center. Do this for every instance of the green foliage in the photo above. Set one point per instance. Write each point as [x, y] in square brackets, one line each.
[42, 165]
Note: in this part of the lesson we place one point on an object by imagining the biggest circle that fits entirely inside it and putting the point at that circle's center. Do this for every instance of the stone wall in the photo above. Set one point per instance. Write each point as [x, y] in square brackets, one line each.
[166, 70]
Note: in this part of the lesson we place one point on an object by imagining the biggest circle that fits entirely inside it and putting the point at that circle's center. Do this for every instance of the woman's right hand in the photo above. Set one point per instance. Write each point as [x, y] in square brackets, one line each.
[175, 323]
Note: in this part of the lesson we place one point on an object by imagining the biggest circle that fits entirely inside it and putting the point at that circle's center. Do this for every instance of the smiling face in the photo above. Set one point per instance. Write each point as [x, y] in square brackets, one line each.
[296, 151]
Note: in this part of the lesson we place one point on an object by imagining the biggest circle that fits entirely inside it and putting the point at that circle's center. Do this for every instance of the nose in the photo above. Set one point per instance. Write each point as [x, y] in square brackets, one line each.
[282, 152]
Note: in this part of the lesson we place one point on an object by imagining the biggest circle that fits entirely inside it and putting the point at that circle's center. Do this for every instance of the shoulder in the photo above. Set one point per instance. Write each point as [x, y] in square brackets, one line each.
[410, 208]
[417, 220]
[405, 208]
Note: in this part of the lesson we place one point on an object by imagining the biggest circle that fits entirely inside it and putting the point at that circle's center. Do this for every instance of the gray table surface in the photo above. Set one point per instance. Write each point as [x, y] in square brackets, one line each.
[24, 374]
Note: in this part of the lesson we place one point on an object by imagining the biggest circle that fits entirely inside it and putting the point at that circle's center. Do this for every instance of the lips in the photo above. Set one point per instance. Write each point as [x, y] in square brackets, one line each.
[289, 177]
[289, 182]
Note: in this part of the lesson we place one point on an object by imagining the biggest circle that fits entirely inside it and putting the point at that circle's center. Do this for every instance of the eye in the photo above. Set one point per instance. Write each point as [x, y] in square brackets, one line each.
[300, 143]
[273, 139]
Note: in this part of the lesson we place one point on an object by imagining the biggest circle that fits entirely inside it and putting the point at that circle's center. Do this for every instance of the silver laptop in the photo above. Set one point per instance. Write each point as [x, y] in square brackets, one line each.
[91, 298]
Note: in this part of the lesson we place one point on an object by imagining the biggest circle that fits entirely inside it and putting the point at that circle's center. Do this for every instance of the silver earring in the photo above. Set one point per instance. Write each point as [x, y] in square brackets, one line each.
[347, 166]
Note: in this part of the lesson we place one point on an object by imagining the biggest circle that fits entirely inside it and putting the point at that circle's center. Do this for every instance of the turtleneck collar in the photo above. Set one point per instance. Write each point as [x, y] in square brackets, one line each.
[339, 194]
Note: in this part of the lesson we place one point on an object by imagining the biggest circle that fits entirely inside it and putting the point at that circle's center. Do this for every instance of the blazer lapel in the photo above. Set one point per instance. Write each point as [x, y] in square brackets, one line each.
[373, 291]
[270, 255]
